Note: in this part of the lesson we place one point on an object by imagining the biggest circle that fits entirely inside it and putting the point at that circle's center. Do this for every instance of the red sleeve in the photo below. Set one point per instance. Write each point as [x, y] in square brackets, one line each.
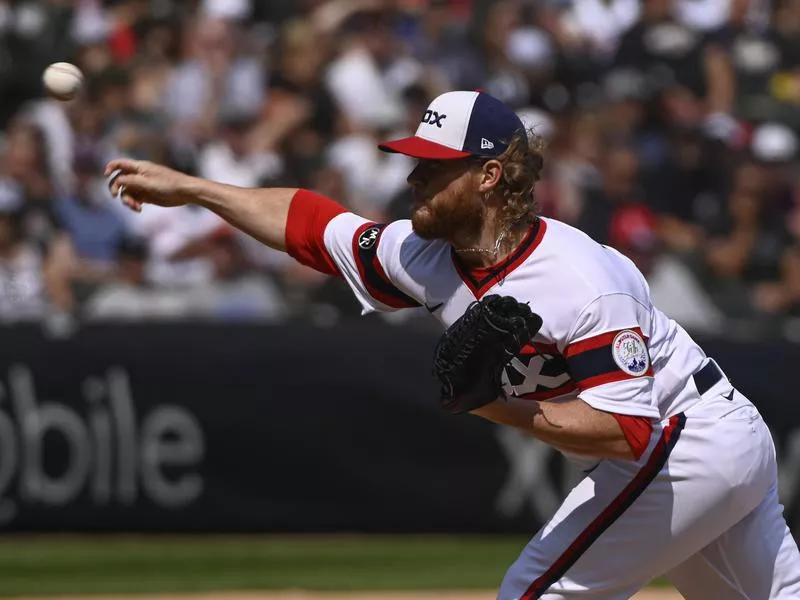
[637, 432]
[309, 215]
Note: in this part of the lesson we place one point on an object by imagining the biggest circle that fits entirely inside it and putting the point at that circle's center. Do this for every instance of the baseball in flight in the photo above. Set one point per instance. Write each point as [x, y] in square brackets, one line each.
[62, 80]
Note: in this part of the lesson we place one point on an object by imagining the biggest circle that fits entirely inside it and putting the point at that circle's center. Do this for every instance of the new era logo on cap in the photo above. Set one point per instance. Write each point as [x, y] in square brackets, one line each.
[460, 124]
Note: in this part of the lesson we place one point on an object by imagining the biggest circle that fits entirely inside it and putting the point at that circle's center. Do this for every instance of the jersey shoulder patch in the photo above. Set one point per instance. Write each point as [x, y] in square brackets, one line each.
[374, 277]
[630, 353]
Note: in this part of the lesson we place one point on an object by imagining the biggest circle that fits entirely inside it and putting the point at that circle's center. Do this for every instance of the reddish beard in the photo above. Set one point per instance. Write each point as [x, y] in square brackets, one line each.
[447, 214]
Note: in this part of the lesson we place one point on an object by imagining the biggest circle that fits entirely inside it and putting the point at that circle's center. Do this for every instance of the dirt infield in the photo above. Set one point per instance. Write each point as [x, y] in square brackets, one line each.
[650, 594]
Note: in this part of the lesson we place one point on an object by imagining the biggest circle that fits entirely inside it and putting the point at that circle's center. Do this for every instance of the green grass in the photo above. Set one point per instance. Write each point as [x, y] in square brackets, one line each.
[80, 565]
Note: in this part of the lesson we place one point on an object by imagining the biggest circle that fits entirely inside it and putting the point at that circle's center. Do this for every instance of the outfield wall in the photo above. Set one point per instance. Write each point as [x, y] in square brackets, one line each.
[178, 428]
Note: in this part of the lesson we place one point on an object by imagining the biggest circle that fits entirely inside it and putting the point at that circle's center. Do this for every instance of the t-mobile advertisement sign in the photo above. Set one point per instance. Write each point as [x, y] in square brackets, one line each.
[91, 442]
[179, 428]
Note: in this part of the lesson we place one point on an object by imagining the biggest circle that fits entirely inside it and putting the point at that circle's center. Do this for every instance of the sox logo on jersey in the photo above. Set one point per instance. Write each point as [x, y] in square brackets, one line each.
[538, 373]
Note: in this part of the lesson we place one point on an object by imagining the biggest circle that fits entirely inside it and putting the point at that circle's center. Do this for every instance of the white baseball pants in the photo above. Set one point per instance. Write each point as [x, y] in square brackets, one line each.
[700, 507]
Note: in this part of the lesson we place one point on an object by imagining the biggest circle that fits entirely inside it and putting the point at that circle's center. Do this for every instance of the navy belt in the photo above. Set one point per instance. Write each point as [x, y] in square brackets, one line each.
[707, 377]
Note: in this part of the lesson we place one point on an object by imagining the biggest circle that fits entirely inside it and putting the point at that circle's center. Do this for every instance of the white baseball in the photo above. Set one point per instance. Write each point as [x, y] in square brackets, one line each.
[62, 80]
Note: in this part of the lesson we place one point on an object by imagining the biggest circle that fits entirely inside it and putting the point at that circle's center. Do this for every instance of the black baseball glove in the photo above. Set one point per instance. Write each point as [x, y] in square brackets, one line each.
[472, 353]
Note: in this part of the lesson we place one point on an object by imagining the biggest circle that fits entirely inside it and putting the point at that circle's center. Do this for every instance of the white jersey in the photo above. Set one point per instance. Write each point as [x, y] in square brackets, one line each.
[602, 339]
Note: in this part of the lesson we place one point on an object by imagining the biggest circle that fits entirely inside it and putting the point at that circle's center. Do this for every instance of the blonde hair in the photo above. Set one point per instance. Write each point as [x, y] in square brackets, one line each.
[522, 162]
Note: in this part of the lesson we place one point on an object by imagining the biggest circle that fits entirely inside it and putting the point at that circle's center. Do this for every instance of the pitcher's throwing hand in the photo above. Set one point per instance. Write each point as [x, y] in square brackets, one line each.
[139, 182]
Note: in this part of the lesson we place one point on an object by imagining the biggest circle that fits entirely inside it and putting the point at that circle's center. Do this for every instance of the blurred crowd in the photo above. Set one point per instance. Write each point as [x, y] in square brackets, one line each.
[672, 130]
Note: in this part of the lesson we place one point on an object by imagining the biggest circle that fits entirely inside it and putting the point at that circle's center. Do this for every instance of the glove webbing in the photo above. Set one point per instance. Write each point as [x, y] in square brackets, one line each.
[459, 355]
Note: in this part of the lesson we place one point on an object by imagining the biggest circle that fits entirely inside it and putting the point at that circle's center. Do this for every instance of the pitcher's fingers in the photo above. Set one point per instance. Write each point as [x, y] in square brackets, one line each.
[111, 181]
[117, 181]
[115, 188]
[132, 204]
[131, 182]
[126, 165]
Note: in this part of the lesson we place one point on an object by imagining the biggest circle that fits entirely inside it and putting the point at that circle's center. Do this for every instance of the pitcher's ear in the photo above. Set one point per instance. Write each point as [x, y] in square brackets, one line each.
[491, 174]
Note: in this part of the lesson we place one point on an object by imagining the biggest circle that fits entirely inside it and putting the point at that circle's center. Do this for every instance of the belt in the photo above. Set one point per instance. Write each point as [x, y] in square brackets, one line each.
[707, 377]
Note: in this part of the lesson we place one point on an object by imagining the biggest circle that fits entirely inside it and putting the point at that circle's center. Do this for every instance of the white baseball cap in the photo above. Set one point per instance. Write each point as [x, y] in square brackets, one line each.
[460, 124]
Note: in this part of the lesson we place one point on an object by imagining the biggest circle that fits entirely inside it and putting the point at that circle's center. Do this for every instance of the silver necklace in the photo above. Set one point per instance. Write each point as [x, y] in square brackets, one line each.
[490, 251]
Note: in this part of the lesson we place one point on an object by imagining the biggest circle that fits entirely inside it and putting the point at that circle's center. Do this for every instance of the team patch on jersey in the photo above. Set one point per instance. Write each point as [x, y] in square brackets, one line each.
[366, 241]
[630, 353]
[369, 237]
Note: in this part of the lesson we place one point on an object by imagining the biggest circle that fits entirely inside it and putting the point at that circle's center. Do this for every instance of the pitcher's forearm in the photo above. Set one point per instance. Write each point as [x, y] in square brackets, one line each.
[259, 212]
[573, 426]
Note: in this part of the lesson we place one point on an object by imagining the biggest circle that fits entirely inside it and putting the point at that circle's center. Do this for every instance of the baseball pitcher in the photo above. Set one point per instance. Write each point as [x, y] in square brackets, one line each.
[552, 333]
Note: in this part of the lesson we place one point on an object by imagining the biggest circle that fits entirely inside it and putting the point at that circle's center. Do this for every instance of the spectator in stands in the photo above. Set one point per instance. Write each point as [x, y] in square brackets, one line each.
[237, 156]
[750, 248]
[486, 62]
[671, 126]
[215, 76]
[129, 297]
[574, 164]
[594, 27]
[753, 51]
[32, 35]
[369, 82]
[22, 264]
[23, 164]
[93, 225]
[624, 116]
[435, 37]
[694, 78]
[236, 293]
[25, 161]
[83, 252]
[299, 102]
[371, 71]
[634, 232]
[620, 187]
[687, 190]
